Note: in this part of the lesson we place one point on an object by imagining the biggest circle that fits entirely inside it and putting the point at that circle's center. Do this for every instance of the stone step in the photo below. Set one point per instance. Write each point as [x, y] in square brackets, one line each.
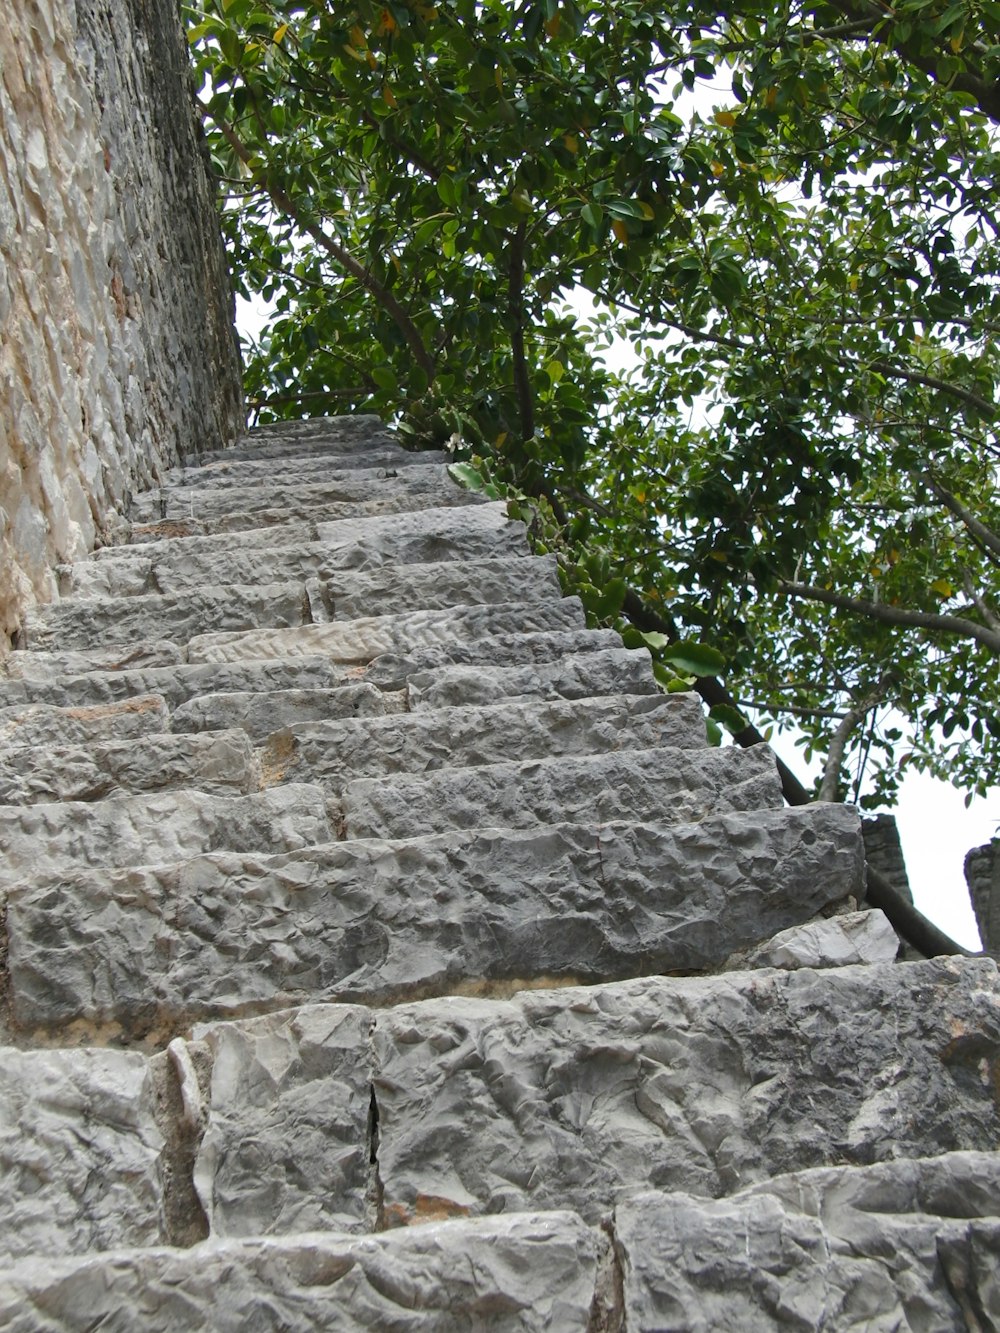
[479, 533]
[665, 785]
[358, 471]
[222, 762]
[176, 617]
[46, 839]
[582, 1098]
[149, 949]
[523, 1274]
[357, 642]
[380, 492]
[47, 724]
[151, 539]
[577, 676]
[331, 437]
[260, 715]
[176, 683]
[84, 1156]
[336, 753]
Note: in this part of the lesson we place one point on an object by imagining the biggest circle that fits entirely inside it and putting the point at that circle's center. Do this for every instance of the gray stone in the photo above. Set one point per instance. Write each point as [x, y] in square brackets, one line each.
[175, 684]
[222, 762]
[700, 1085]
[579, 676]
[982, 875]
[899, 1245]
[336, 753]
[60, 664]
[98, 622]
[393, 670]
[885, 852]
[446, 583]
[151, 948]
[49, 724]
[175, 548]
[836, 941]
[526, 1274]
[80, 1152]
[425, 535]
[45, 839]
[358, 641]
[664, 785]
[260, 714]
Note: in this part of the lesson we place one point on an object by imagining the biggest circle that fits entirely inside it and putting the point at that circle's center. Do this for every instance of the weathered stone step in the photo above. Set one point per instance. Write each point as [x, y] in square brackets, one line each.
[479, 533]
[523, 1274]
[150, 539]
[382, 492]
[357, 642]
[585, 1097]
[336, 753]
[223, 762]
[333, 437]
[360, 472]
[148, 949]
[83, 1154]
[261, 715]
[45, 839]
[392, 670]
[175, 617]
[890, 1246]
[666, 786]
[175, 683]
[576, 676]
[48, 724]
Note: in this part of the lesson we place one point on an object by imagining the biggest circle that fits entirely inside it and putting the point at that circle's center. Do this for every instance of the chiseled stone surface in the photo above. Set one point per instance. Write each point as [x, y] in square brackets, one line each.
[54, 724]
[154, 947]
[836, 941]
[80, 1152]
[899, 1245]
[260, 713]
[124, 620]
[58, 666]
[532, 1273]
[576, 676]
[392, 669]
[222, 762]
[61, 837]
[441, 583]
[358, 641]
[704, 1085]
[337, 752]
[665, 785]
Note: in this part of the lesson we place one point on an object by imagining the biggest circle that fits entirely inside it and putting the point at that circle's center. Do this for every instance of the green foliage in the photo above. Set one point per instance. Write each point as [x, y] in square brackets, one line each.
[801, 472]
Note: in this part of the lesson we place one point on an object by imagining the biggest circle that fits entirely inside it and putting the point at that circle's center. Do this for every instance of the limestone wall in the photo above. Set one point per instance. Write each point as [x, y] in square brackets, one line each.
[117, 356]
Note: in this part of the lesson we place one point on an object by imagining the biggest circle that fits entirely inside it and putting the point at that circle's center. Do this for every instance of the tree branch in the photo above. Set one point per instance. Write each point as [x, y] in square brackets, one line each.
[515, 291]
[838, 743]
[987, 539]
[895, 615]
[930, 382]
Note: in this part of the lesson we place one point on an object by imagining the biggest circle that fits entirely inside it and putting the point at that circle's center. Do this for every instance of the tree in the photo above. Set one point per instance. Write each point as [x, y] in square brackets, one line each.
[799, 480]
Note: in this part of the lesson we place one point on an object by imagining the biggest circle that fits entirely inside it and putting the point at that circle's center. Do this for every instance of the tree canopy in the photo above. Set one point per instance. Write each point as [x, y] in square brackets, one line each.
[787, 210]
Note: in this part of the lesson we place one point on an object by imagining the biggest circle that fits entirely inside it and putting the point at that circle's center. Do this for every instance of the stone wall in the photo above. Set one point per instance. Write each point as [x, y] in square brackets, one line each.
[117, 355]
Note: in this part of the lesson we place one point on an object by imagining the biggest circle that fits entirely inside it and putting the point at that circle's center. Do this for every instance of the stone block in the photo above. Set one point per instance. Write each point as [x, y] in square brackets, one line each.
[80, 1153]
[424, 535]
[223, 762]
[337, 753]
[356, 642]
[50, 724]
[39, 840]
[665, 786]
[836, 941]
[579, 676]
[904, 1244]
[394, 588]
[532, 1273]
[151, 948]
[57, 666]
[392, 670]
[261, 714]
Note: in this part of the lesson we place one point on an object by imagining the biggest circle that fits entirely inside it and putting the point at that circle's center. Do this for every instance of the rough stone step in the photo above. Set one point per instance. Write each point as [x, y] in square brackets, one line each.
[840, 1248]
[392, 670]
[181, 611]
[478, 533]
[357, 642]
[584, 1097]
[331, 437]
[524, 1274]
[371, 493]
[175, 683]
[667, 786]
[149, 949]
[222, 762]
[83, 1153]
[151, 539]
[336, 753]
[176, 617]
[48, 724]
[57, 839]
[261, 714]
[577, 676]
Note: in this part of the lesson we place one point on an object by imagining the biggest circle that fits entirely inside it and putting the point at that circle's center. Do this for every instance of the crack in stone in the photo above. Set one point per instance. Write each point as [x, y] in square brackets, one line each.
[374, 1193]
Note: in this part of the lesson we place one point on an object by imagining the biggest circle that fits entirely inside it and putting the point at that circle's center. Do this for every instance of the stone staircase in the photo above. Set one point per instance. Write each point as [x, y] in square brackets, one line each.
[384, 951]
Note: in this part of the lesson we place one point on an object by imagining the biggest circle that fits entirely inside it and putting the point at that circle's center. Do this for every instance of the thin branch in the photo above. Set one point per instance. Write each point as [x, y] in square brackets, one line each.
[986, 538]
[896, 615]
[515, 289]
[930, 382]
[838, 743]
[979, 601]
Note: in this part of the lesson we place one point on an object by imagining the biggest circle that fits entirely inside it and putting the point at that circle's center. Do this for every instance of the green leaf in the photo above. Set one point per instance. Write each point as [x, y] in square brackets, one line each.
[467, 476]
[695, 659]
